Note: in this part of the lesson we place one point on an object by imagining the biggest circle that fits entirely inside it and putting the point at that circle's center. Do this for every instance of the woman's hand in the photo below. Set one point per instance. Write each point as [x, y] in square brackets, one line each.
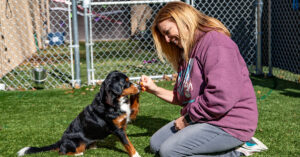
[180, 123]
[148, 84]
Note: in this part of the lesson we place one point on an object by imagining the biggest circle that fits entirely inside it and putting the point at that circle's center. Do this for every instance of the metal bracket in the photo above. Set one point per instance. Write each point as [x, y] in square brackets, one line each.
[86, 3]
[91, 70]
[74, 46]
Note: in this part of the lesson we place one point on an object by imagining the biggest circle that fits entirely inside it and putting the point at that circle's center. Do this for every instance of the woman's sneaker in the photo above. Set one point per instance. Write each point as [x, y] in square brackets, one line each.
[252, 146]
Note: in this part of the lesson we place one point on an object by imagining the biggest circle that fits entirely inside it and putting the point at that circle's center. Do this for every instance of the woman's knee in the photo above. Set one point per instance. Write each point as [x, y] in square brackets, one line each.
[154, 145]
[161, 136]
[172, 147]
[168, 149]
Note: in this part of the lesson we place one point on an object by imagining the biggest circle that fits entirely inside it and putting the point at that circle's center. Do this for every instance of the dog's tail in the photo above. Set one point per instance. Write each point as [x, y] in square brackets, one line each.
[31, 150]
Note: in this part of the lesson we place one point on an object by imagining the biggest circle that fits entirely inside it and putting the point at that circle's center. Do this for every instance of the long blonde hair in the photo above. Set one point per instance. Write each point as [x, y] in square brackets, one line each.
[188, 20]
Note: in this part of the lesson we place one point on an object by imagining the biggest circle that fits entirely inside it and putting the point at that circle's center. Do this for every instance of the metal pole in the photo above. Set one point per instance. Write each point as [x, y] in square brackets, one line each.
[270, 38]
[76, 44]
[187, 2]
[86, 4]
[258, 56]
[91, 46]
[71, 41]
[192, 3]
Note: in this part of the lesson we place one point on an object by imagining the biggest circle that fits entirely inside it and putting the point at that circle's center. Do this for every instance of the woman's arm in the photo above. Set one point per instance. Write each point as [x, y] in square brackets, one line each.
[151, 87]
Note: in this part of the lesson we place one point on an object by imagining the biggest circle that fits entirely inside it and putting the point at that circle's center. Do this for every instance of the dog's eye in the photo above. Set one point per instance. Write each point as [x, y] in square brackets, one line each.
[128, 85]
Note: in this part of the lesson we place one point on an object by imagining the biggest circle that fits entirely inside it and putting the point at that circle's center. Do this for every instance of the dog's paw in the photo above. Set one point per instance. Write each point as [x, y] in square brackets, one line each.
[136, 155]
[79, 154]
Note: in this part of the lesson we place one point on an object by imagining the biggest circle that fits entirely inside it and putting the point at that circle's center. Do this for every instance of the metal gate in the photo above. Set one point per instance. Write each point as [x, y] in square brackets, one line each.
[35, 44]
[119, 38]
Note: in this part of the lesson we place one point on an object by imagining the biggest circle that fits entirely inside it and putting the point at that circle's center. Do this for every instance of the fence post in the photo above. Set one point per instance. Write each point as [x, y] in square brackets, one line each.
[86, 4]
[259, 4]
[187, 2]
[270, 38]
[76, 44]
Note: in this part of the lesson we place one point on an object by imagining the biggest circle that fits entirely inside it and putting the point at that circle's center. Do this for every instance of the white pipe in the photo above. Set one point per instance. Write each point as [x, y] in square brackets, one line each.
[138, 78]
[71, 43]
[152, 77]
[91, 47]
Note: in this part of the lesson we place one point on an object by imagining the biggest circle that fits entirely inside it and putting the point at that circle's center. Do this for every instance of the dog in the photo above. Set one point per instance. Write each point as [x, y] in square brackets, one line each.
[113, 107]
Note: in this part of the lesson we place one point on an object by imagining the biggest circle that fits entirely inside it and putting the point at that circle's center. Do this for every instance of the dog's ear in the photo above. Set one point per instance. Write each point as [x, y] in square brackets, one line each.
[102, 91]
[108, 94]
[109, 99]
[101, 95]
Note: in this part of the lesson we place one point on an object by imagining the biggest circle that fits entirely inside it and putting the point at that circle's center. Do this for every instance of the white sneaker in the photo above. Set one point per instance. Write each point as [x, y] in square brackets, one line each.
[252, 146]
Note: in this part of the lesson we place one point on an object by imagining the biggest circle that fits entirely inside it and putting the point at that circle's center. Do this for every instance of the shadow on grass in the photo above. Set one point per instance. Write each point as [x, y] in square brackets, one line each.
[110, 142]
[146, 122]
[149, 123]
[287, 88]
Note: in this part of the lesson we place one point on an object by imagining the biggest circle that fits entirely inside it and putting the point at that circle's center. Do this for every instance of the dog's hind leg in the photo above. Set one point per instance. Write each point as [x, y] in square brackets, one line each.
[79, 150]
[73, 144]
[92, 145]
[72, 149]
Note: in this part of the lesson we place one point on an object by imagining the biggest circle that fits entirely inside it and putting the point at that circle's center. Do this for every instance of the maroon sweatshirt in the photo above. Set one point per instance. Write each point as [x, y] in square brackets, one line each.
[215, 88]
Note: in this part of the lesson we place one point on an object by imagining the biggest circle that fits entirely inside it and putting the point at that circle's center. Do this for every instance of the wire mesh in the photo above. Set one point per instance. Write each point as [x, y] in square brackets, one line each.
[122, 40]
[285, 39]
[239, 17]
[34, 33]
[125, 38]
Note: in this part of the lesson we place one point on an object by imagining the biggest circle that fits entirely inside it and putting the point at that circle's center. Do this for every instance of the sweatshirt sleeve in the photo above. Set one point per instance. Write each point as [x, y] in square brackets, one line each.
[223, 80]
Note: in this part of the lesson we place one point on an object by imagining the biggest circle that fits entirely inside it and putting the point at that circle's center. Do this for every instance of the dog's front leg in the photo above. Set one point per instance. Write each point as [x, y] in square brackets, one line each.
[120, 132]
[134, 106]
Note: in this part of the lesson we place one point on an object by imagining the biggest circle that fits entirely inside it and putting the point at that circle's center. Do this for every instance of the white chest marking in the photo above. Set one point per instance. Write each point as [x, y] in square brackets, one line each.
[125, 107]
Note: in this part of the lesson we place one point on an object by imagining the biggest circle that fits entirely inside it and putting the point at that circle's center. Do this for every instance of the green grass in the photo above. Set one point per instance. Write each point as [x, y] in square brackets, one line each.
[37, 118]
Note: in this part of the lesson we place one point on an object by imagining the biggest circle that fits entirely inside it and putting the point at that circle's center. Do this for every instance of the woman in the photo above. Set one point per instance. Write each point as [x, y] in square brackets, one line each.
[219, 111]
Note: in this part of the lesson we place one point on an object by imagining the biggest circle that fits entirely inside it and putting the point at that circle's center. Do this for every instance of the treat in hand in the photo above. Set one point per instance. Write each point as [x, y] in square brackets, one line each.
[142, 86]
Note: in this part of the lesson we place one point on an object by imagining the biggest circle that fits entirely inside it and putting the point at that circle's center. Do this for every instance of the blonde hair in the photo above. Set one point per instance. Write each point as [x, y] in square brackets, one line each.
[188, 20]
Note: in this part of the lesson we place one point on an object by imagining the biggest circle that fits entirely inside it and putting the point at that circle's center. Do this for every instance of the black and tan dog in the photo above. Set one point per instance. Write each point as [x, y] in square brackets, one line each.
[113, 107]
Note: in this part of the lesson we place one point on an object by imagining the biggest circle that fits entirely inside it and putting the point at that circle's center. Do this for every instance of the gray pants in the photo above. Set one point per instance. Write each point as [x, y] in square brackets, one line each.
[199, 139]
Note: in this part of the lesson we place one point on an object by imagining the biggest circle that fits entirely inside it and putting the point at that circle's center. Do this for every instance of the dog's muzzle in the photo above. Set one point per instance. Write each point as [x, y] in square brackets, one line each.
[138, 87]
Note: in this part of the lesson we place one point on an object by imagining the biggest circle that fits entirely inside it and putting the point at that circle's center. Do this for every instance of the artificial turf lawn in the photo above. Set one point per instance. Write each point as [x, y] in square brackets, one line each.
[38, 118]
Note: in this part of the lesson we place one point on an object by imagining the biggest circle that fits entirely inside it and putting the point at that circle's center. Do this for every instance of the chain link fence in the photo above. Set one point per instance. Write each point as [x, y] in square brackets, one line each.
[126, 42]
[122, 40]
[36, 39]
[34, 44]
[281, 37]
[240, 18]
